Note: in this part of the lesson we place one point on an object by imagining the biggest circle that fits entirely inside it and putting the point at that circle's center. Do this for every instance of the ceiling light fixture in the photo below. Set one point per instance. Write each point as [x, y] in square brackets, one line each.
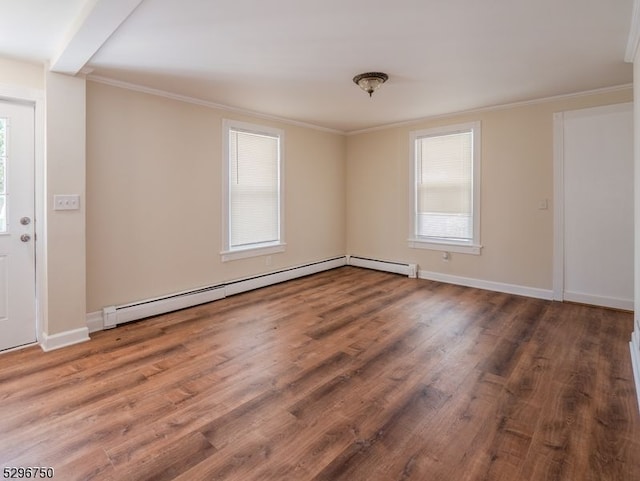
[370, 81]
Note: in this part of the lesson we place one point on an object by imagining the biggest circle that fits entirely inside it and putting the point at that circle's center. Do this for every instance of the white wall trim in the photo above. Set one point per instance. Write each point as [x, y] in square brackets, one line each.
[488, 285]
[558, 206]
[410, 270]
[228, 255]
[472, 249]
[64, 339]
[40, 226]
[612, 302]
[95, 321]
[634, 345]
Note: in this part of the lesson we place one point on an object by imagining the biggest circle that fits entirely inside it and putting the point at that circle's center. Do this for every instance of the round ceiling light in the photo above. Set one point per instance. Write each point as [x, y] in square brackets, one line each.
[370, 81]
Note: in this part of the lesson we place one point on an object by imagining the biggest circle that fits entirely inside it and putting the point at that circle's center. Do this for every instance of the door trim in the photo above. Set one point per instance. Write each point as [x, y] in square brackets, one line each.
[36, 97]
[558, 206]
[558, 195]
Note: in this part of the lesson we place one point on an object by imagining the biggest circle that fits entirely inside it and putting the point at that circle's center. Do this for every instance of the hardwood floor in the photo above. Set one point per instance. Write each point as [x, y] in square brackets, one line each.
[345, 375]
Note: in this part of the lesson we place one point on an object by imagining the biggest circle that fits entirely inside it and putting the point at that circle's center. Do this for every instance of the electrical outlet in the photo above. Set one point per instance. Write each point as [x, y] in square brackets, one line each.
[66, 202]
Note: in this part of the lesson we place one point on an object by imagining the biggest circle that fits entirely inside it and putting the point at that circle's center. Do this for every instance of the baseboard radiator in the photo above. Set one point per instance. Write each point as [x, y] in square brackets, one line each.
[115, 315]
[410, 270]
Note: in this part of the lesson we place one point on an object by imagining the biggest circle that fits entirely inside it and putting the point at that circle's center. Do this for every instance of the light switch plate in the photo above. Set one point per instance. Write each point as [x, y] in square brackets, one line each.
[66, 202]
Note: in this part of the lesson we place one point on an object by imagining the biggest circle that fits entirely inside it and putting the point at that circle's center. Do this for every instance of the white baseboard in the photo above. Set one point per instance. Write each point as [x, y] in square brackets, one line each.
[64, 339]
[534, 292]
[634, 345]
[95, 321]
[409, 270]
[613, 302]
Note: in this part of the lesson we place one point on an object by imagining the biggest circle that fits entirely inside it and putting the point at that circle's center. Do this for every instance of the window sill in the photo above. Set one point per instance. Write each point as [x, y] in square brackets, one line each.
[251, 252]
[462, 248]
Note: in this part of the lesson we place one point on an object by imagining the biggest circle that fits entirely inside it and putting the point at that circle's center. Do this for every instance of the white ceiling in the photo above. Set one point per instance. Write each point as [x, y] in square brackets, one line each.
[295, 59]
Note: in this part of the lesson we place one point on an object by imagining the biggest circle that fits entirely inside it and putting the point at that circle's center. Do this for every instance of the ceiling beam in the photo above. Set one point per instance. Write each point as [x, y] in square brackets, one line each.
[97, 21]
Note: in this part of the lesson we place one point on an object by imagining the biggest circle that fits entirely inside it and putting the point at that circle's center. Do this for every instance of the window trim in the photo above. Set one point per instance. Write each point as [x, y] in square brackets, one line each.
[472, 246]
[258, 249]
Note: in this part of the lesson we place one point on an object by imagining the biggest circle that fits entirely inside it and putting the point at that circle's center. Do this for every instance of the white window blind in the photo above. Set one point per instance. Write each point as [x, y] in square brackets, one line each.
[445, 186]
[254, 189]
[445, 183]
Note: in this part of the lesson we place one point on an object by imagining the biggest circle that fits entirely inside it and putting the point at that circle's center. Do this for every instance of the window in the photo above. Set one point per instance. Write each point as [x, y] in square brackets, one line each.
[253, 190]
[445, 167]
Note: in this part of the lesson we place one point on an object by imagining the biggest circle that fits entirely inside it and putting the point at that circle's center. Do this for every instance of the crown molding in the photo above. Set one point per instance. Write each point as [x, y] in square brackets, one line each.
[228, 108]
[206, 103]
[634, 34]
[492, 108]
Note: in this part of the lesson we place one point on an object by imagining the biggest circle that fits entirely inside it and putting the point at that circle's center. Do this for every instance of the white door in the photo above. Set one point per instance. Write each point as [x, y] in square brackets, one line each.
[17, 243]
[597, 204]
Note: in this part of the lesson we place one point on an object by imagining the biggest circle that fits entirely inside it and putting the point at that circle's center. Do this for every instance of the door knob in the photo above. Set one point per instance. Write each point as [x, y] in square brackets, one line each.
[25, 237]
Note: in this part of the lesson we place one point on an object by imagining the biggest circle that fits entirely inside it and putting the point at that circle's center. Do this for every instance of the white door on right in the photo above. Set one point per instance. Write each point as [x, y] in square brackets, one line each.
[17, 242]
[598, 203]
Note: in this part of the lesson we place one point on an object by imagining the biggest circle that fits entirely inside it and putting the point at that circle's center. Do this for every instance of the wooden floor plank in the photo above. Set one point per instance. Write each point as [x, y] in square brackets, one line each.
[348, 374]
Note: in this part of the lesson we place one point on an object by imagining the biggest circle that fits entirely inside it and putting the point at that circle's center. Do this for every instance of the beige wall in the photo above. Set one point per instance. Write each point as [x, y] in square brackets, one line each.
[65, 230]
[517, 172]
[154, 197]
[22, 74]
